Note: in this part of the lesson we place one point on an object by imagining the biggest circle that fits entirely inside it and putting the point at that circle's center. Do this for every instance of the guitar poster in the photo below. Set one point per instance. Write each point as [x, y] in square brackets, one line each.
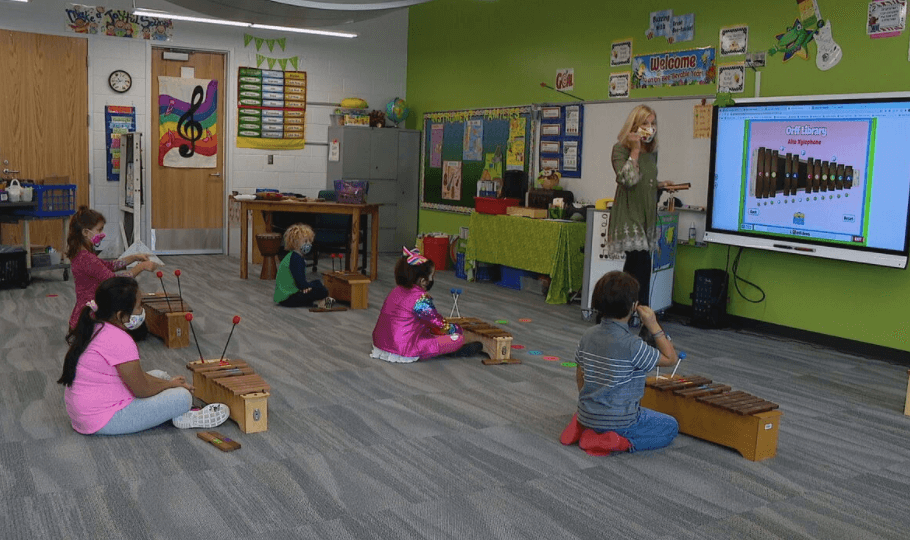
[271, 109]
[188, 123]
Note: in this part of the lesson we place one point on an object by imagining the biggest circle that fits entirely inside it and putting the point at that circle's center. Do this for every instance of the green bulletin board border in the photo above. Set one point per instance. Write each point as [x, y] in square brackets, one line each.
[469, 183]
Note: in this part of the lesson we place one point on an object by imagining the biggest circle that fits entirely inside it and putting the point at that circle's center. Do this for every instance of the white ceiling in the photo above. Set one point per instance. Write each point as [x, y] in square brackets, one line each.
[299, 13]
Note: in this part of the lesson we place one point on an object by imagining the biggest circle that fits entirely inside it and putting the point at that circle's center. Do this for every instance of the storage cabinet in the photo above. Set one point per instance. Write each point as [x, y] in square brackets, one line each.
[389, 158]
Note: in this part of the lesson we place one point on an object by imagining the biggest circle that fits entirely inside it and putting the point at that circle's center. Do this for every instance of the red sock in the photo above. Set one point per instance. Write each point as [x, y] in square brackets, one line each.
[602, 444]
[572, 433]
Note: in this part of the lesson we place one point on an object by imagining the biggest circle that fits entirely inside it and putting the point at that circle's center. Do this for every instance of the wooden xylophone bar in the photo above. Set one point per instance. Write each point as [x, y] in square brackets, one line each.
[497, 343]
[713, 412]
[237, 385]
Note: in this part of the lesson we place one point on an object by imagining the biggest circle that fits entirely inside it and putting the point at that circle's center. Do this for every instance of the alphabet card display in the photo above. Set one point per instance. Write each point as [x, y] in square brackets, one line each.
[271, 109]
[560, 139]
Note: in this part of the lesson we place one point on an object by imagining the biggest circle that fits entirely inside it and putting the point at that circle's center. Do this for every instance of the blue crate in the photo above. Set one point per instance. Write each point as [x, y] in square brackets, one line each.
[510, 278]
[52, 201]
[486, 272]
[459, 266]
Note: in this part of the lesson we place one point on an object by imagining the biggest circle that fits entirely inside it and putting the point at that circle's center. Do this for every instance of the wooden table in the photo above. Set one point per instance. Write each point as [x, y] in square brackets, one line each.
[356, 211]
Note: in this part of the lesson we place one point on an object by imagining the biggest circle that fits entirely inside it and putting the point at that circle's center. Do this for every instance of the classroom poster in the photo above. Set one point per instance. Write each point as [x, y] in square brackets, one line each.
[677, 68]
[188, 122]
[659, 24]
[473, 140]
[573, 121]
[621, 53]
[701, 121]
[117, 121]
[731, 78]
[570, 156]
[734, 40]
[271, 109]
[886, 18]
[682, 28]
[451, 180]
[515, 157]
[565, 80]
[436, 145]
[560, 139]
[619, 84]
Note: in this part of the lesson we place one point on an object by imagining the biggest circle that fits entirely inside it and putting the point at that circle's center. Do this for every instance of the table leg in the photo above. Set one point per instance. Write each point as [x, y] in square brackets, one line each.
[355, 241]
[244, 223]
[374, 244]
[27, 244]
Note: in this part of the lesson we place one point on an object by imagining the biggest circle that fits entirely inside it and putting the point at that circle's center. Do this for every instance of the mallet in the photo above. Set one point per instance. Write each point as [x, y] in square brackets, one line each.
[236, 322]
[160, 275]
[189, 318]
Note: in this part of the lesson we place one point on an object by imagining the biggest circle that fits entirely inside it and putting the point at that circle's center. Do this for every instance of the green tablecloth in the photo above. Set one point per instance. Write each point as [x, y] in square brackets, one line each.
[546, 247]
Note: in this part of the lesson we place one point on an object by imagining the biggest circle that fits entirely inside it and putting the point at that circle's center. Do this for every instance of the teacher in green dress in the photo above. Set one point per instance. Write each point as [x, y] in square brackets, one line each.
[633, 220]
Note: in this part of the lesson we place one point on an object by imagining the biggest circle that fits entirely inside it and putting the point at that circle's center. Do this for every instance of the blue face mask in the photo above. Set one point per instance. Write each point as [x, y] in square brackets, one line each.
[304, 249]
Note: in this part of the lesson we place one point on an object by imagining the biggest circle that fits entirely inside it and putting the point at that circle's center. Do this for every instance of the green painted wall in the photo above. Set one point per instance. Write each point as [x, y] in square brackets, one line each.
[486, 53]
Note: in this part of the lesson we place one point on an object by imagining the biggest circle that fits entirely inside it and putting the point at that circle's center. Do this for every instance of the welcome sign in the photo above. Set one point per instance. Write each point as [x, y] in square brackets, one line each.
[678, 68]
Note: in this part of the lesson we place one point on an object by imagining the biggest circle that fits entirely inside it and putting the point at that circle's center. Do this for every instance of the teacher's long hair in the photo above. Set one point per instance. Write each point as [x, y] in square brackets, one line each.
[636, 118]
[114, 297]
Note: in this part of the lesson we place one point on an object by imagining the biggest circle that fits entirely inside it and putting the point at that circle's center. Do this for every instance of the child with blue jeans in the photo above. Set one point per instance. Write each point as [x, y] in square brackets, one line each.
[612, 365]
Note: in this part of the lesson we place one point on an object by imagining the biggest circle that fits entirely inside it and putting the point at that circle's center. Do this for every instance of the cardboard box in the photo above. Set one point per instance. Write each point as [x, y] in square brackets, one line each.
[535, 213]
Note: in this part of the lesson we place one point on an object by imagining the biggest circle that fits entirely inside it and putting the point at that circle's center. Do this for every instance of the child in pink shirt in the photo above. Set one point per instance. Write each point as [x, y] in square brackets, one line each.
[107, 392]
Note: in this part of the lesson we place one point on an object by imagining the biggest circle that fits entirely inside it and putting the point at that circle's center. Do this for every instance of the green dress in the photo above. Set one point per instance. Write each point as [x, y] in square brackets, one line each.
[633, 218]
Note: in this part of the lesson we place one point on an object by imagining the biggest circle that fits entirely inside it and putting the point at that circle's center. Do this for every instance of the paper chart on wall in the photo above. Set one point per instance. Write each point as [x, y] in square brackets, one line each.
[451, 180]
[473, 140]
[271, 109]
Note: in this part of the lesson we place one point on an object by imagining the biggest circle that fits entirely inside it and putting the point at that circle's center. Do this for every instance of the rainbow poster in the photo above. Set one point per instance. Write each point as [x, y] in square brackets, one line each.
[188, 122]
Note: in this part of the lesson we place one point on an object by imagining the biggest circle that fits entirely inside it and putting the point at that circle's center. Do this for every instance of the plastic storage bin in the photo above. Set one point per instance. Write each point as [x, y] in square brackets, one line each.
[351, 191]
[488, 205]
[436, 248]
[459, 266]
[52, 201]
[510, 278]
[13, 269]
[486, 272]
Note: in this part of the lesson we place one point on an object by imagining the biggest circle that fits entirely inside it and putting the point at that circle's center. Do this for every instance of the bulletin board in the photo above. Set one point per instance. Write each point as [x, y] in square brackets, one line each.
[560, 138]
[459, 146]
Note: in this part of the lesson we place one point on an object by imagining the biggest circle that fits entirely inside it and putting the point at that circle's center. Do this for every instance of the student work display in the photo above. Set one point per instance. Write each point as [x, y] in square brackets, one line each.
[464, 150]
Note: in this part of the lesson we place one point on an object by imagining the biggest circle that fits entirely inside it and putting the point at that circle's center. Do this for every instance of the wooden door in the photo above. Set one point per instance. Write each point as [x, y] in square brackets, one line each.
[44, 128]
[187, 204]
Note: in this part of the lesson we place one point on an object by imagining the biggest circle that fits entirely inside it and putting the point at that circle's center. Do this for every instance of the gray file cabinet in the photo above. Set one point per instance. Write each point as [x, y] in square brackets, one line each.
[389, 158]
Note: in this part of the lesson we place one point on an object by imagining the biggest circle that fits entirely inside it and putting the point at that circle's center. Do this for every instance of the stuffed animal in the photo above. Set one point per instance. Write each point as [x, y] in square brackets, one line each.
[549, 179]
[377, 119]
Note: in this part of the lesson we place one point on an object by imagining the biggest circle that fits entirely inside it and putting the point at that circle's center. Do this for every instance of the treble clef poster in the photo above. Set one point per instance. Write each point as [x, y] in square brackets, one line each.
[188, 126]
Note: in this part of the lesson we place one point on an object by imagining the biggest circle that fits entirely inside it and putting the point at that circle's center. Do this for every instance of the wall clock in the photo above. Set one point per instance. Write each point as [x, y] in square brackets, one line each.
[120, 81]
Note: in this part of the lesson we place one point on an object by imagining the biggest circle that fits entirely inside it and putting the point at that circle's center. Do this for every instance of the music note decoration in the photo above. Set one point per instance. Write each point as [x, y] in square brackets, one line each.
[188, 122]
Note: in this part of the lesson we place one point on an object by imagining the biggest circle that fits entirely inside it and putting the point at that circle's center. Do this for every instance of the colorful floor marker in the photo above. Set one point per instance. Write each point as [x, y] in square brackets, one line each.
[551, 358]
[569, 364]
[535, 353]
[524, 320]
[52, 296]
[518, 347]
[502, 321]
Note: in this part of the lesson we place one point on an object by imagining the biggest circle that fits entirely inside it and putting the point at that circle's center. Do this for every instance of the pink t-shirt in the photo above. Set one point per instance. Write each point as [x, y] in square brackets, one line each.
[98, 392]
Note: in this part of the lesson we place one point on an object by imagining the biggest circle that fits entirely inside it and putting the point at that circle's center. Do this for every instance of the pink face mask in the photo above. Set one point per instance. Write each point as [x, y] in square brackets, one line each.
[97, 239]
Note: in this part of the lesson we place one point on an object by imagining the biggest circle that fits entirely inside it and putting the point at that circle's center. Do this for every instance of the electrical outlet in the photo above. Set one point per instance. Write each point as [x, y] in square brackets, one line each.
[755, 59]
[271, 159]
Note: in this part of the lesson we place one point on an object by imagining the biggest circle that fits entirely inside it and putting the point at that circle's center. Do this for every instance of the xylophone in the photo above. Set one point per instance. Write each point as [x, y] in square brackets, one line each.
[713, 412]
[497, 343]
[234, 383]
[774, 172]
[907, 403]
[351, 287]
[165, 316]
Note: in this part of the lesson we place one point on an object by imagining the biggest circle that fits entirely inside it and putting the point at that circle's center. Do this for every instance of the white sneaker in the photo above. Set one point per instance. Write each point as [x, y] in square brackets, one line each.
[207, 417]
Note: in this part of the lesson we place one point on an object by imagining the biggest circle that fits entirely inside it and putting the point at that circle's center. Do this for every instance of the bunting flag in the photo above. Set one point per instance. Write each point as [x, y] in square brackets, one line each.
[283, 62]
[270, 43]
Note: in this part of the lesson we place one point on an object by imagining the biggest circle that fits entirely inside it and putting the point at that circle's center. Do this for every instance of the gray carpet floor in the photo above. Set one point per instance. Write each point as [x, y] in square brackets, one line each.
[357, 448]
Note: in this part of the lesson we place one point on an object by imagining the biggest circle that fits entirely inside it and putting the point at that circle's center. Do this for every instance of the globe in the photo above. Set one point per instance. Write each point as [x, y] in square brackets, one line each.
[397, 110]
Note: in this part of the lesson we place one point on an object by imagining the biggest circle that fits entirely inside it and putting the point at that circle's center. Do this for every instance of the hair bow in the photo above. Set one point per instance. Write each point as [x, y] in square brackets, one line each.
[414, 256]
[92, 305]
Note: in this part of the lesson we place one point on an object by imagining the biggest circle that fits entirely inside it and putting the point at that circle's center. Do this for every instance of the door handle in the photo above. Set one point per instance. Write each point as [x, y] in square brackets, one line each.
[215, 174]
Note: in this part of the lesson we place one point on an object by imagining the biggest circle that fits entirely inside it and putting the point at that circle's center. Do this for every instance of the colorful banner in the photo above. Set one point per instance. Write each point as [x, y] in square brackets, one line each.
[270, 43]
[117, 23]
[117, 121]
[271, 109]
[188, 123]
[678, 68]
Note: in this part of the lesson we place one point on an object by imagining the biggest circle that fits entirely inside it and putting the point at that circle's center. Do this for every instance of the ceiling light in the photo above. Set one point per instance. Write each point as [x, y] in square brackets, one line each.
[142, 12]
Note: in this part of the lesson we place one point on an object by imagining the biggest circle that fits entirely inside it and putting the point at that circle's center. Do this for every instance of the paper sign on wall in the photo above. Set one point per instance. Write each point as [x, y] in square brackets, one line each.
[621, 53]
[619, 84]
[565, 80]
[731, 78]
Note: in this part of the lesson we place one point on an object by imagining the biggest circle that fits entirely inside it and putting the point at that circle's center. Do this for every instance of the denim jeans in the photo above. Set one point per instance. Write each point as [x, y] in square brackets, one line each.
[652, 430]
[145, 413]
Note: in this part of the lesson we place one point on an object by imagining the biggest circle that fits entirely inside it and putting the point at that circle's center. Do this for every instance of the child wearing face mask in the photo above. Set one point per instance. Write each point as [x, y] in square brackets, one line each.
[409, 327]
[85, 235]
[107, 392]
[292, 289]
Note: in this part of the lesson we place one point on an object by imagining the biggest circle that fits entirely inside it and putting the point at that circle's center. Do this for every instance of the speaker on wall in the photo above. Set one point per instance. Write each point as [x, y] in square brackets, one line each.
[709, 298]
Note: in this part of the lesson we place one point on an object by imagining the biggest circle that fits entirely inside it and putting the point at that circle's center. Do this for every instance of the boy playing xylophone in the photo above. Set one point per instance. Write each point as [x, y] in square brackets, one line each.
[612, 364]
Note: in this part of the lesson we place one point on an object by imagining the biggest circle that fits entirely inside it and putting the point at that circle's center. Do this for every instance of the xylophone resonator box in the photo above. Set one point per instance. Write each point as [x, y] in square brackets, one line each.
[165, 316]
[234, 383]
[711, 411]
[351, 287]
[497, 343]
